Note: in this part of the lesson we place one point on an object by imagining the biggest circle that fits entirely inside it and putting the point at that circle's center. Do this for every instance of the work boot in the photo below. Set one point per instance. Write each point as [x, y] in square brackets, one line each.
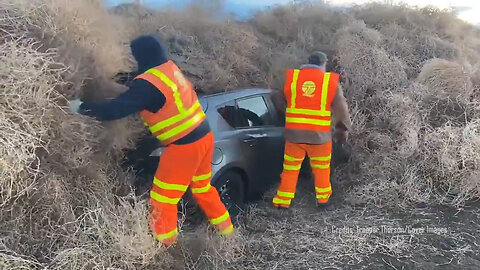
[282, 208]
[328, 206]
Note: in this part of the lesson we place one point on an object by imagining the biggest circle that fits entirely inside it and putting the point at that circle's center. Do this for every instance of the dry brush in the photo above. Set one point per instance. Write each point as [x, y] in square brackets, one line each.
[412, 80]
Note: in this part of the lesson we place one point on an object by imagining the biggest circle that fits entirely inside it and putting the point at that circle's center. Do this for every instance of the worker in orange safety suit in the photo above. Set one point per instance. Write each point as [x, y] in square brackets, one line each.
[312, 97]
[168, 105]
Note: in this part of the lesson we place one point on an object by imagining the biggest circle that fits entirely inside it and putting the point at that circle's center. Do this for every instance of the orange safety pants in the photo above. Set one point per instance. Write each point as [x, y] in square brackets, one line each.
[180, 167]
[320, 156]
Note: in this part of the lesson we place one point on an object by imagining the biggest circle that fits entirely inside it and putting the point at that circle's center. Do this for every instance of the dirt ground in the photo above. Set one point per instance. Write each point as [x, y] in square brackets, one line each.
[346, 237]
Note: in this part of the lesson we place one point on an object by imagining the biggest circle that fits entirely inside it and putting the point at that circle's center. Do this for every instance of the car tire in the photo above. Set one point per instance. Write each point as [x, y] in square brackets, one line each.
[231, 189]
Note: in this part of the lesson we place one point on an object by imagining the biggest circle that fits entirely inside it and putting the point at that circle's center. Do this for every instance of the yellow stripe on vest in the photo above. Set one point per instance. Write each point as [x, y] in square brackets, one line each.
[179, 129]
[293, 87]
[326, 82]
[171, 84]
[175, 119]
[309, 112]
[316, 122]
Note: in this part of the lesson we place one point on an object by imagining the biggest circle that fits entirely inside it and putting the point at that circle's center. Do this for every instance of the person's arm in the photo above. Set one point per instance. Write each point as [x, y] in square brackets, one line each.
[141, 95]
[341, 115]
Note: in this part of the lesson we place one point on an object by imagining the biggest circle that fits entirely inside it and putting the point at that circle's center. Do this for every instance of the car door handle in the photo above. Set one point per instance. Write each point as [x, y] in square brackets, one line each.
[257, 136]
[254, 137]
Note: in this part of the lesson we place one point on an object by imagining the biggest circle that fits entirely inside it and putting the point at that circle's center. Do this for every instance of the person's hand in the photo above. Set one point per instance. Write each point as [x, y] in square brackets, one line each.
[75, 106]
[340, 136]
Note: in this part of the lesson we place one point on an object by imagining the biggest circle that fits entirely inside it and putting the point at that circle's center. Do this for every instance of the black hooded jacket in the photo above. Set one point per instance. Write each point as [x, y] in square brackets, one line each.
[141, 95]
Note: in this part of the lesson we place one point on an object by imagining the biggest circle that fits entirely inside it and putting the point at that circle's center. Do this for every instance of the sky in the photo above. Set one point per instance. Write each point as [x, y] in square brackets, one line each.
[468, 10]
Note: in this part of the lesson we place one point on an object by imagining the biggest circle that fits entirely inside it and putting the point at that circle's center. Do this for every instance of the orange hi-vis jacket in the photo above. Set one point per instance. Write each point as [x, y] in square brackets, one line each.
[309, 94]
[182, 112]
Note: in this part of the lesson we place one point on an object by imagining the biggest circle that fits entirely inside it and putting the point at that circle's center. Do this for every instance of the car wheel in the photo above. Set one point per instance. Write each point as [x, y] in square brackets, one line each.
[232, 191]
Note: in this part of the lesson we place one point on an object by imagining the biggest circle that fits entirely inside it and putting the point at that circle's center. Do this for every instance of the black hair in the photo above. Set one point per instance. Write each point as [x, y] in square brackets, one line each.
[317, 58]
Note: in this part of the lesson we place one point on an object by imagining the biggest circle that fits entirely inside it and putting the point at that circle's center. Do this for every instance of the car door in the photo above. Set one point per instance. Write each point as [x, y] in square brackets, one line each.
[276, 131]
[261, 140]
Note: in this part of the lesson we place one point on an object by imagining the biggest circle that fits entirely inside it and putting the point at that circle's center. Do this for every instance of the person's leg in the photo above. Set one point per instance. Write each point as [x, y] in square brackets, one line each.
[207, 195]
[174, 174]
[292, 162]
[320, 158]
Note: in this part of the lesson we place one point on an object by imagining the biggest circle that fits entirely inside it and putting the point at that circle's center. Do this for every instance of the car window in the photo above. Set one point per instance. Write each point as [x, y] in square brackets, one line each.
[254, 112]
[231, 115]
[248, 112]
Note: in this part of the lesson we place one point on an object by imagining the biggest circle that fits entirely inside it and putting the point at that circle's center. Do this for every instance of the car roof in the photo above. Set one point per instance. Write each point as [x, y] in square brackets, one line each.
[239, 93]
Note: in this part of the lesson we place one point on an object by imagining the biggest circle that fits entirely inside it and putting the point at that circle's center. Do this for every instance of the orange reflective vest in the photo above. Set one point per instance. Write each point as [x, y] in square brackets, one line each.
[310, 93]
[182, 112]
